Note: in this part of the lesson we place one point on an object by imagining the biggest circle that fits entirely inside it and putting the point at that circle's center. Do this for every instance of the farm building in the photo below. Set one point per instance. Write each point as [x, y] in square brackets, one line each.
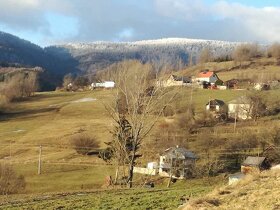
[208, 77]
[240, 108]
[217, 108]
[177, 161]
[216, 105]
[106, 84]
[174, 80]
[252, 163]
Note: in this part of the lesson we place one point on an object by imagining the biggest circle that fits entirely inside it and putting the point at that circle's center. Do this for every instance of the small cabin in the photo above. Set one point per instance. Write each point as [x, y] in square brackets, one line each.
[252, 164]
[216, 105]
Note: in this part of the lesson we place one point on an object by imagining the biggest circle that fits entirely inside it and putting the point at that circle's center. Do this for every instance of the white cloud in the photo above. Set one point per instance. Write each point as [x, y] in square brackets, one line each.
[183, 9]
[126, 34]
[146, 19]
[262, 22]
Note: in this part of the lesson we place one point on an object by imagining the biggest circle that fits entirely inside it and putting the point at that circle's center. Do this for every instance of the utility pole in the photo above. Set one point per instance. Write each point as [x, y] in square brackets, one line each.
[235, 119]
[171, 171]
[39, 161]
[10, 149]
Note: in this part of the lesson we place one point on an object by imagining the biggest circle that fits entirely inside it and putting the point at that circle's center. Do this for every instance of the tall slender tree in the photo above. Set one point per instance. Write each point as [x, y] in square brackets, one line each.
[137, 105]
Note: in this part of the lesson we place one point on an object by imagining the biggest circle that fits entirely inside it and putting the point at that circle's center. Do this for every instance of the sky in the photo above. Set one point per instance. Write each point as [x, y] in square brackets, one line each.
[47, 22]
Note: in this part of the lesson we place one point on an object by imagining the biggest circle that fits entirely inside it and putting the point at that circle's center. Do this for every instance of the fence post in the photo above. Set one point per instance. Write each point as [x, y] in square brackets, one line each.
[39, 160]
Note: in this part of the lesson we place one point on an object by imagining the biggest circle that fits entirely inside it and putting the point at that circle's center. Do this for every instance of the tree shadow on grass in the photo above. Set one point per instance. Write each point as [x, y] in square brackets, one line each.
[39, 97]
[27, 114]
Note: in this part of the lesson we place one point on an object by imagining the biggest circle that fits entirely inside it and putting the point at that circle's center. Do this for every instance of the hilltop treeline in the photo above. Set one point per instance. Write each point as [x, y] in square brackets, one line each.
[18, 85]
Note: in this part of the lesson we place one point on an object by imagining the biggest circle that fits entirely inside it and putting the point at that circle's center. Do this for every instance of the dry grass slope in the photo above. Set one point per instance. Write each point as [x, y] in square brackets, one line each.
[258, 191]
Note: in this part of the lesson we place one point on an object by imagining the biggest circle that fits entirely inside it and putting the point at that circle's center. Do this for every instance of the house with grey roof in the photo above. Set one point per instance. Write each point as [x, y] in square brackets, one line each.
[177, 161]
[252, 163]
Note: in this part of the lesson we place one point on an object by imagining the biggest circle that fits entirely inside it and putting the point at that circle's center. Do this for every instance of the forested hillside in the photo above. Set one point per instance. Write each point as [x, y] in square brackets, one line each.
[172, 52]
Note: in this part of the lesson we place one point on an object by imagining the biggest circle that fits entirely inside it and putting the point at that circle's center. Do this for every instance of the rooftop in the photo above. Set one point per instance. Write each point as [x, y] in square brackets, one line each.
[179, 153]
[205, 74]
[216, 102]
[253, 161]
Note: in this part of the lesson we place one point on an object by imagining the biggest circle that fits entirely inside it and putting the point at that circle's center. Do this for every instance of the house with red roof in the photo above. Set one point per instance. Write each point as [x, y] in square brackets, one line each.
[207, 76]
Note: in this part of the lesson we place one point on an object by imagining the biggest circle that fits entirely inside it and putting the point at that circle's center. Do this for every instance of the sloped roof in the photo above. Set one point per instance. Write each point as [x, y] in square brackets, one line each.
[253, 161]
[216, 102]
[179, 153]
[205, 74]
[180, 78]
[240, 100]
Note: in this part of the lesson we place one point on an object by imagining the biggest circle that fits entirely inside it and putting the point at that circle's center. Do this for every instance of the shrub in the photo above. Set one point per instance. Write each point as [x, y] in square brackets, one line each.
[83, 143]
[9, 181]
[245, 52]
[19, 86]
[274, 50]
[3, 102]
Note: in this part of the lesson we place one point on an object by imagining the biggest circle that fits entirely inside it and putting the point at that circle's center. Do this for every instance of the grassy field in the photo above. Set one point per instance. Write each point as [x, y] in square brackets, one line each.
[260, 69]
[140, 198]
[50, 119]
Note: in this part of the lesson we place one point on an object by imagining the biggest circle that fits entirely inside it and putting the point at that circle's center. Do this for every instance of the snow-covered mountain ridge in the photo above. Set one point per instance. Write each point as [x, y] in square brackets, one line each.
[161, 42]
[96, 56]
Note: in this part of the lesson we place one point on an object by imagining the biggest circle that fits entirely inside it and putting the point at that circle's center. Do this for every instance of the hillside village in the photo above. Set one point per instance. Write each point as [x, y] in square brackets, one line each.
[174, 135]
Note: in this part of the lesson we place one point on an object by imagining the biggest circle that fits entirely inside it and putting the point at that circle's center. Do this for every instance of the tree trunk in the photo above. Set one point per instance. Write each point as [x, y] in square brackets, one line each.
[171, 172]
[130, 175]
[130, 172]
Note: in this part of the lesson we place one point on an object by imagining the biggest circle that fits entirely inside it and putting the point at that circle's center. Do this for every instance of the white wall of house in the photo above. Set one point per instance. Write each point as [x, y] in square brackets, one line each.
[147, 171]
[217, 107]
[106, 84]
[109, 84]
[241, 111]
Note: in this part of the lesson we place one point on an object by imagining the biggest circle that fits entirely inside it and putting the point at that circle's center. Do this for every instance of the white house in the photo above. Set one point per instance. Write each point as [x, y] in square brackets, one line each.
[178, 160]
[106, 84]
[207, 76]
[240, 108]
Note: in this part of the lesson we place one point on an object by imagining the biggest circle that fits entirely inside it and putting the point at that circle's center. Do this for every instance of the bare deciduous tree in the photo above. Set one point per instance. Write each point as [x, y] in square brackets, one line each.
[274, 50]
[253, 105]
[245, 52]
[9, 181]
[67, 80]
[20, 85]
[137, 112]
[205, 56]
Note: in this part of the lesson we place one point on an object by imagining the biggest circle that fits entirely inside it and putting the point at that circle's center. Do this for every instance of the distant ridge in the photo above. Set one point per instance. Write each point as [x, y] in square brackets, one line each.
[95, 56]
[59, 60]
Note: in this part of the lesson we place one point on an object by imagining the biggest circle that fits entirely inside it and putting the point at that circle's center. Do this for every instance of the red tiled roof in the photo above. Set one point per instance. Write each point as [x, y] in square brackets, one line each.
[205, 74]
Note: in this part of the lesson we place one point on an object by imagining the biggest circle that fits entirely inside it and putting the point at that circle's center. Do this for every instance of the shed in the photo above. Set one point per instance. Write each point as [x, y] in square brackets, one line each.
[216, 105]
[252, 163]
